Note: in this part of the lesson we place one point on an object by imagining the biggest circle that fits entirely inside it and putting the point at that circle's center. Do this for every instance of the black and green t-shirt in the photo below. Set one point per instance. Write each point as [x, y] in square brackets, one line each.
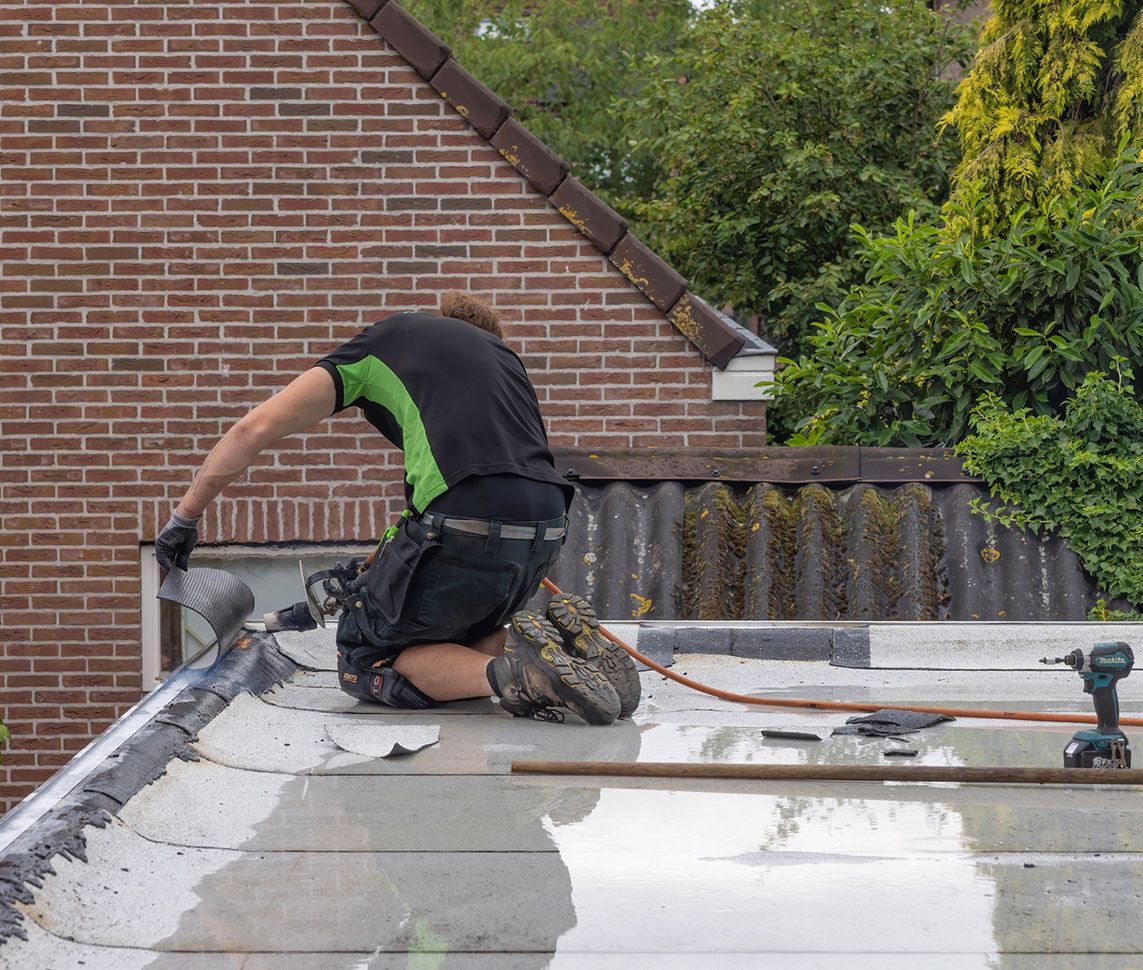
[454, 398]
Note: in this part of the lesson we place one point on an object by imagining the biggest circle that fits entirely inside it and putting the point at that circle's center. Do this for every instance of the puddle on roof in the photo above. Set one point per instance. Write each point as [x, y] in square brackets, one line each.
[800, 874]
[943, 744]
[737, 872]
[579, 868]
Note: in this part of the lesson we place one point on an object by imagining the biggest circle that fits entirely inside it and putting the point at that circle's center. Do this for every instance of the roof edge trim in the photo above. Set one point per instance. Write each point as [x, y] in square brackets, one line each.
[837, 464]
[131, 763]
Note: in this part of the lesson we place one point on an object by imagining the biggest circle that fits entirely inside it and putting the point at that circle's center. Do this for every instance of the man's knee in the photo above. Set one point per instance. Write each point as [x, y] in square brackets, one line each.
[380, 685]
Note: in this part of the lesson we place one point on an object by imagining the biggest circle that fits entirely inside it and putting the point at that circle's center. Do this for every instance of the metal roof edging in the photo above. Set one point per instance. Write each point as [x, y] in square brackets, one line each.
[64, 781]
[778, 465]
[130, 755]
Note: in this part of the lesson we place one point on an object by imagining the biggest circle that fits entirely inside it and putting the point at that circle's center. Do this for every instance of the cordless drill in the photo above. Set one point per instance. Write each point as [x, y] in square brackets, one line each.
[1106, 746]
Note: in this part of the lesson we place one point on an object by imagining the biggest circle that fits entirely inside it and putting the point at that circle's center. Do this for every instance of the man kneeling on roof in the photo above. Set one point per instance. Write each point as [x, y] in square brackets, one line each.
[437, 614]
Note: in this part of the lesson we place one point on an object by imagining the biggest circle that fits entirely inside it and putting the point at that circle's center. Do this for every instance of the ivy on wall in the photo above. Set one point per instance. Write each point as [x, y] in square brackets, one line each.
[1080, 472]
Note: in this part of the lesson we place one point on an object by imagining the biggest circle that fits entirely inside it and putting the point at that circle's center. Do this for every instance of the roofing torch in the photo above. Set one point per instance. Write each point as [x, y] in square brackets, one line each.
[1101, 669]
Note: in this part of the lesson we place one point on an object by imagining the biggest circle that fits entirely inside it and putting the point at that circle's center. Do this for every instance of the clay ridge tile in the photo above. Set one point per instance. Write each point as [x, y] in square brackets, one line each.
[660, 283]
[589, 214]
[695, 319]
[423, 49]
[367, 8]
[542, 167]
[482, 108]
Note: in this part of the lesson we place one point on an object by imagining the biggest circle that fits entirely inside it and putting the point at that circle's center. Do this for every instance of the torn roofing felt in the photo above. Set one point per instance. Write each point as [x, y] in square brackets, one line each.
[254, 665]
[717, 336]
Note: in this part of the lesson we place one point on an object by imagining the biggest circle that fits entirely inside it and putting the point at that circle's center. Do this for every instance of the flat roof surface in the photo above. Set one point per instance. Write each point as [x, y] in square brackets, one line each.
[280, 850]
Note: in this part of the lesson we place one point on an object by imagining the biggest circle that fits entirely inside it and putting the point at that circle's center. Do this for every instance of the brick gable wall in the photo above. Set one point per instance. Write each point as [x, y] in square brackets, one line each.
[196, 201]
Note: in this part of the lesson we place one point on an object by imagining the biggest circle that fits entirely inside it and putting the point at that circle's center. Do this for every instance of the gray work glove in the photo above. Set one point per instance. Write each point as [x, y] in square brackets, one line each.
[174, 543]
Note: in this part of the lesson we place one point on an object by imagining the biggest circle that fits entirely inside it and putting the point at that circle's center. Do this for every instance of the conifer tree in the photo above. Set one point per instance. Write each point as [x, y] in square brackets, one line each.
[1055, 87]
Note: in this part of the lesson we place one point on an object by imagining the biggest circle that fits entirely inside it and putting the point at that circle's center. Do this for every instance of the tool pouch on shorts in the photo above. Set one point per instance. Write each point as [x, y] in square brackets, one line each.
[389, 577]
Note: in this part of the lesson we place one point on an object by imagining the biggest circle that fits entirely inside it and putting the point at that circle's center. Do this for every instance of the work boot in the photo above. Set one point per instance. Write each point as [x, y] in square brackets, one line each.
[575, 619]
[535, 675]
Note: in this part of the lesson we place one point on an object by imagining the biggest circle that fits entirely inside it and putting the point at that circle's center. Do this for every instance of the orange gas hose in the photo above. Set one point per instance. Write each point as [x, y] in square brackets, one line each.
[727, 695]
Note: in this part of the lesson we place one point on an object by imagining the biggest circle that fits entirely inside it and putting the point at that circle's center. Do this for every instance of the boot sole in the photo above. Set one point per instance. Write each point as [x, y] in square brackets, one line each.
[575, 620]
[583, 691]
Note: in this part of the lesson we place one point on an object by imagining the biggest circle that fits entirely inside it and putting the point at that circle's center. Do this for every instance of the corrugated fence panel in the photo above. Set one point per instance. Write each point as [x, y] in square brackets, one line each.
[759, 551]
[624, 550]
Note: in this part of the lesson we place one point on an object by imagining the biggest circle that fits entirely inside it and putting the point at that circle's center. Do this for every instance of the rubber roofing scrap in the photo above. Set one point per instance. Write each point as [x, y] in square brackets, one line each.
[219, 597]
[382, 741]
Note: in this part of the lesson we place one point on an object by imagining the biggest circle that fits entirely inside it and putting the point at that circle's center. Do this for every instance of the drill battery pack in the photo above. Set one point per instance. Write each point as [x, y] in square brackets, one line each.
[1090, 749]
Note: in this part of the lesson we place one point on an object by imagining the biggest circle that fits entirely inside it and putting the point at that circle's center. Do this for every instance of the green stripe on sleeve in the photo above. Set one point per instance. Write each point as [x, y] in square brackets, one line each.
[372, 379]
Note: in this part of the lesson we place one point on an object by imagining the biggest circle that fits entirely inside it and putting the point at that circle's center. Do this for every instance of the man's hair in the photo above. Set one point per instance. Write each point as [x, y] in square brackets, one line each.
[461, 306]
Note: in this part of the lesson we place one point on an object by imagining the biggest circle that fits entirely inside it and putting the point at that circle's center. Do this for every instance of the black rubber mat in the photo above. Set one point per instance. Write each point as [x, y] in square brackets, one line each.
[888, 722]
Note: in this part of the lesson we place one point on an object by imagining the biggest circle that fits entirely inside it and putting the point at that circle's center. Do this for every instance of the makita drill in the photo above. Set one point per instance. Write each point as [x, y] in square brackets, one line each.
[1106, 746]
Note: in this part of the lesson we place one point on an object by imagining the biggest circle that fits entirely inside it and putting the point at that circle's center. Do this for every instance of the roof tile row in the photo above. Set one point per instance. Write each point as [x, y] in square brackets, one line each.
[548, 174]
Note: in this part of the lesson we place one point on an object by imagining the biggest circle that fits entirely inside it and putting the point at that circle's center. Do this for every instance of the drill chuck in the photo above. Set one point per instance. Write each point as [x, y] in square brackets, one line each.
[1075, 660]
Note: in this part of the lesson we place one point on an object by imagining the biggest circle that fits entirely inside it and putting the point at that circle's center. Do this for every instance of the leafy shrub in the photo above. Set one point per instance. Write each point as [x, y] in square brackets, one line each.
[1026, 315]
[1081, 472]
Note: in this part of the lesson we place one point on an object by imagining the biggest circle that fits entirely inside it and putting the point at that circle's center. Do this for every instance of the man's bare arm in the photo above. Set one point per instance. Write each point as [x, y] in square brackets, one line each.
[305, 401]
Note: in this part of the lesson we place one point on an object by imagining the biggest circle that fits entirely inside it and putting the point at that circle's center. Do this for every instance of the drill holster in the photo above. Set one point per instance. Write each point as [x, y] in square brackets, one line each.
[338, 583]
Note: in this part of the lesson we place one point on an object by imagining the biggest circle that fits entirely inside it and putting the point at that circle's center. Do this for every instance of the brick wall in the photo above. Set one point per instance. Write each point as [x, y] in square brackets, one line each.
[196, 201]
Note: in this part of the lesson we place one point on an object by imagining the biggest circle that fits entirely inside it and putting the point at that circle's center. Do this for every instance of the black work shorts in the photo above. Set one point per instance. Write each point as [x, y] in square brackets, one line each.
[431, 584]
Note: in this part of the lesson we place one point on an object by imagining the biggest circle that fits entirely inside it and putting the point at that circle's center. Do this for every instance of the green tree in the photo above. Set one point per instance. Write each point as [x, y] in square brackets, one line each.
[777, 126]
[1053, 90]
[1023, 299]
[1033, 278]
[562, 65]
